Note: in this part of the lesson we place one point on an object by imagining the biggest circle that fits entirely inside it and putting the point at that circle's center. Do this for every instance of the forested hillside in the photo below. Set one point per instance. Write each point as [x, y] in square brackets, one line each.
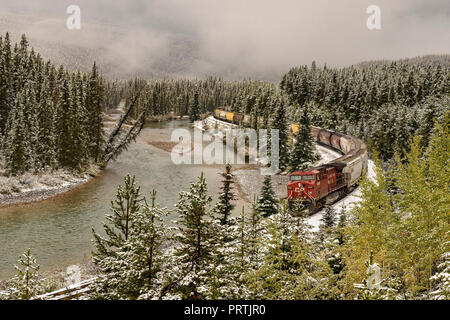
[382, 102]
[50, 117]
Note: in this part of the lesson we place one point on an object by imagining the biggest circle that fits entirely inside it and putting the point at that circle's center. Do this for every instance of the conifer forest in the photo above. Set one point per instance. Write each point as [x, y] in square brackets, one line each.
[94, 206]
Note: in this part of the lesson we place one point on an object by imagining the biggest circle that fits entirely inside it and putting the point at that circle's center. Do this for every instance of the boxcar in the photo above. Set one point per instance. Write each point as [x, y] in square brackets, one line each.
[238, 118]
[346, 144]
[336, 141]
[229, 116]
[324, 137]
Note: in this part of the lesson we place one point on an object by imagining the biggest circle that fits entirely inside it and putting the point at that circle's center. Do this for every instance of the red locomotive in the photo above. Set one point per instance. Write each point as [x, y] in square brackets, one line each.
[324, 184]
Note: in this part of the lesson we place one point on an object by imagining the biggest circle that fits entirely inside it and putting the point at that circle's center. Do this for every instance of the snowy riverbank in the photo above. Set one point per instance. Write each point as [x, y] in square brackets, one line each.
[30, 188]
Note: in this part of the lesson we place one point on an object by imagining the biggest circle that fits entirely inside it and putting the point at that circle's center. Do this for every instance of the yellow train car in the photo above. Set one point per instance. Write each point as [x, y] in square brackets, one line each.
[230, 116]
[217, 113]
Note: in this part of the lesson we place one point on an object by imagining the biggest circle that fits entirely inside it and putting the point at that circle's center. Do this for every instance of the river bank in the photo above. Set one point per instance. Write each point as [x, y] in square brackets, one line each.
[30, 188]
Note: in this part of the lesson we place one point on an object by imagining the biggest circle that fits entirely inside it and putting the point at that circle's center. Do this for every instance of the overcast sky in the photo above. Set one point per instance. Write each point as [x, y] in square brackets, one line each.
[253, 36]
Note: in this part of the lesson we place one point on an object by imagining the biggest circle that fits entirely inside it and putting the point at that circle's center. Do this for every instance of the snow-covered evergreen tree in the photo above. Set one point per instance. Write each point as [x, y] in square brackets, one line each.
[267, 201]
[26, 283]
[120, 222]
[303, 153]
[279, 122]
[224, 206]
[189, 262]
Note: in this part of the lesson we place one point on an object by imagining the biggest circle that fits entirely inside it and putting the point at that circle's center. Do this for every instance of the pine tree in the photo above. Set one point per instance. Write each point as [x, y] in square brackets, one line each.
[26, 283]
[120, 222]
[194, 113]
[132, 271]
[189, 262]
[64, 125]
[303, 152]
[279, 122]
[224, 205]
[16, 146]
[267, 201]
[94, 106]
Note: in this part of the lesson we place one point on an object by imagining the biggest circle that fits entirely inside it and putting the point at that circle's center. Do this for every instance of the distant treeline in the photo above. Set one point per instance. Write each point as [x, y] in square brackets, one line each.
[52, 118]
[382, 102]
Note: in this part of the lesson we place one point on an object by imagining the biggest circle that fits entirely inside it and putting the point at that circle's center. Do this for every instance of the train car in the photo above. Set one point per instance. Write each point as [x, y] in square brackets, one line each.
[229, 116]
[320, 185]
[325, 137]
[347, 144]
[238, 118]
[335, 141]
[324, 184]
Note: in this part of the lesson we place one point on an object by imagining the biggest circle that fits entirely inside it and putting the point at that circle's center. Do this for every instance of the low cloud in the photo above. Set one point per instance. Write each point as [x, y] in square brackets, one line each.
[234, 38]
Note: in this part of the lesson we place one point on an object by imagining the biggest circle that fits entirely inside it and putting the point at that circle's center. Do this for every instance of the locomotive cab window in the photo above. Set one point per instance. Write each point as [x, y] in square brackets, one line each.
[308, 177]
[296, 178]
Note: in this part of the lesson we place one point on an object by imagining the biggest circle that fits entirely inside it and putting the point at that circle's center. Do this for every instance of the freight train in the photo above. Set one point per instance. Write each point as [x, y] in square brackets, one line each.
[231, 117]
[323, 184]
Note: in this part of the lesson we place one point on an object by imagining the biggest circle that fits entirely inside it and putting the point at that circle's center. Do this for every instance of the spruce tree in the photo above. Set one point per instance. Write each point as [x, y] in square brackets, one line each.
[132, 271]
[17, 145]
[64, 124]
[120, 222]
[224, 206]
[94, 106]
[190, 261]
[254, 228]
[267, 201]
[328, 218]
[194, 112]
[303, 152]
[279, 122]
[26, 283]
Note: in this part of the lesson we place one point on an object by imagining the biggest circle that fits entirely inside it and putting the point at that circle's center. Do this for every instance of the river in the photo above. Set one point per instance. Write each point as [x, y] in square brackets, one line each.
[59, 230]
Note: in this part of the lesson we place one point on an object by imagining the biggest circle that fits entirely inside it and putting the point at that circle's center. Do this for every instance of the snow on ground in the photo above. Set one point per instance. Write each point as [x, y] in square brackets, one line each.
[30, 188]
[251, 180]
[348, 202]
